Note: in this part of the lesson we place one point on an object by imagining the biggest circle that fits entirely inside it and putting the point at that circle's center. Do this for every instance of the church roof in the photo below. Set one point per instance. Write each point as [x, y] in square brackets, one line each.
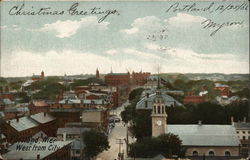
[168, 101]
[205, 135]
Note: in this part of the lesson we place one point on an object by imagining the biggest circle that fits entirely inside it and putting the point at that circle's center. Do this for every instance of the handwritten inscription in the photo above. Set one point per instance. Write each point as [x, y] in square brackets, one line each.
[21, 10]
[209, 24]
[212, 7]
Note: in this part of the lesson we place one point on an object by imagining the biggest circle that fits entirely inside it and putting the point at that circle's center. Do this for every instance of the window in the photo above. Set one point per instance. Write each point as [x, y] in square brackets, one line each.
[77, 151]
[159, 110]
[243, 132]
[227, 154]
[211, 153]
[243, 137]
[195, 153]
[237, 132]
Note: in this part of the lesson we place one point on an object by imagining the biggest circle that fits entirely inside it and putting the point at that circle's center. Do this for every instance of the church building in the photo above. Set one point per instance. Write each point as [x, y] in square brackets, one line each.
[199, 140]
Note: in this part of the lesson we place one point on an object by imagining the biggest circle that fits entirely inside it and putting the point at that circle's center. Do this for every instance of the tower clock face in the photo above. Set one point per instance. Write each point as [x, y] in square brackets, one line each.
[158, 123]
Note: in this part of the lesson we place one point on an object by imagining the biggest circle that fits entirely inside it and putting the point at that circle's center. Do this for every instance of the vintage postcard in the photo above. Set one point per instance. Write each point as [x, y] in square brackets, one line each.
[124, 80]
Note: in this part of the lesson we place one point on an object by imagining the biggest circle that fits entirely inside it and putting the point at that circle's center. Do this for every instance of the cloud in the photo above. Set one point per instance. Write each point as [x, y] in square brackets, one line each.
[3, 27]
[183, 18]
[68, 28]
[111, 52]
[152, 46]
[25, 63]
[144, 25]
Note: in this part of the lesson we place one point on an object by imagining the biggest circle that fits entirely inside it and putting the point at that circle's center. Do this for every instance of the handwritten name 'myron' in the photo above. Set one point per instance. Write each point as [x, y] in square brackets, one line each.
[209, 24]
[21, 10]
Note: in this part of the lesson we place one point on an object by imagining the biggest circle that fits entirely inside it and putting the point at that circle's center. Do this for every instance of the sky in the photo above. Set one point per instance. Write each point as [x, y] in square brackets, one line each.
[135, 36]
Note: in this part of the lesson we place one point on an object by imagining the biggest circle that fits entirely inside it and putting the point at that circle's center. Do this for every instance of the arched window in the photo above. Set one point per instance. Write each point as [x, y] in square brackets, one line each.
[227, 154]
[195, 153]
[159, 109]
[211, 153]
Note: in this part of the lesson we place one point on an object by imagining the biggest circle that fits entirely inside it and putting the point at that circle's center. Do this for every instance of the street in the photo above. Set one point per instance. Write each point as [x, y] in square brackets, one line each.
[117, 135]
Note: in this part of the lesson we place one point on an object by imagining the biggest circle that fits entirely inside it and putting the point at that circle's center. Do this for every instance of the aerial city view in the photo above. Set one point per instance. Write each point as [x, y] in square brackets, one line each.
[124, 80]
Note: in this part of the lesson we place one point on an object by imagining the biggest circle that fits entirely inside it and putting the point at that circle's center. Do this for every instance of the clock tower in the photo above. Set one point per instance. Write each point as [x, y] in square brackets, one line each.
[159, 116]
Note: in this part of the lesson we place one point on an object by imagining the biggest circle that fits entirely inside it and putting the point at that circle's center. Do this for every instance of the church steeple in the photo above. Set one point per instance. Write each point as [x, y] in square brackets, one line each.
[159, 116]
[97, 76]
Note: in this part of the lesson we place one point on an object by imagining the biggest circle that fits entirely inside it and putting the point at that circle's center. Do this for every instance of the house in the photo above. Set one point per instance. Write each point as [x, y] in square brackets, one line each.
[3, 143]
[38, 106]
[20, 129]
[47, 149]
[95, 118]
[200, 140]
[224, 89]
[243, 132]
[47, 123]
[13, 112]
[76, 136]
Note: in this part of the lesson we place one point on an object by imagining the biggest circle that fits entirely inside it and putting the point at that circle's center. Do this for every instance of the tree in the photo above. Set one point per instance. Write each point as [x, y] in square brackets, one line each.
[95, 142]
[24, 98]
[166, 144]
[134, 93]
[170, 144]
[142, 125]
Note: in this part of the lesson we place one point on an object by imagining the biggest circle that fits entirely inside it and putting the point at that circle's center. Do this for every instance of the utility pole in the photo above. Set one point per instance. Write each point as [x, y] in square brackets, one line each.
[120, 155]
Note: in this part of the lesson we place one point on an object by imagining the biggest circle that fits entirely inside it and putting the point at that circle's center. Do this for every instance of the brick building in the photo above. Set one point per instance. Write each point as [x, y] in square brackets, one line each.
[224, 89]
[47, 123]
[194, 99]
[116, 79]
[38, 77]
[139, 78]
[20, 129]
[38, 106]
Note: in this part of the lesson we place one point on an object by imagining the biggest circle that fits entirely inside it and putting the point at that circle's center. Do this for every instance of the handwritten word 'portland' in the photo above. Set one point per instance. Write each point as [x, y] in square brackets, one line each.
[73, 10]
[212, 7]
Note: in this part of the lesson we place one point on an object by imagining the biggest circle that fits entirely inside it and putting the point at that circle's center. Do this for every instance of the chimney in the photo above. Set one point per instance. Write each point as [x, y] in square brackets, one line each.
[147, 95]
[64, 136]
[232, 120]
[38, 157]
[199, 122]
[17, 119]
[44, 113]
[245, 119]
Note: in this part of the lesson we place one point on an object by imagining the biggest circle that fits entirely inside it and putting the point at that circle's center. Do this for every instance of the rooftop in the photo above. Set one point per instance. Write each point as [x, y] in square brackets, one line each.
[22, 123]
[242, 125]
[17, 109]
[85, 101]
[205, 135]
[73, 130]
[42, 117]
[32, 154]
[168, 100]
[40, 103]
